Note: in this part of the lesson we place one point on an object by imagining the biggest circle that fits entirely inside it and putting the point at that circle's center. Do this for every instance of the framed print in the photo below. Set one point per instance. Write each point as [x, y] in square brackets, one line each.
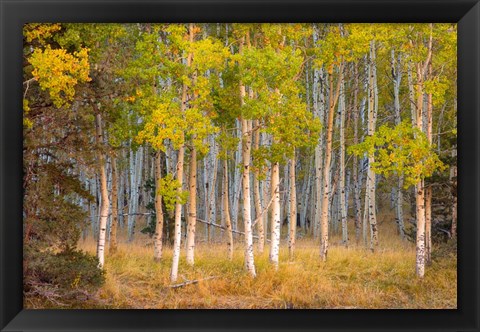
[242, 157]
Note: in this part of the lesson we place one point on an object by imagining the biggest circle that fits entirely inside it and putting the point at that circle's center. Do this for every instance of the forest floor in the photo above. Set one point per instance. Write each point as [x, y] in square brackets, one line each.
[352, 277]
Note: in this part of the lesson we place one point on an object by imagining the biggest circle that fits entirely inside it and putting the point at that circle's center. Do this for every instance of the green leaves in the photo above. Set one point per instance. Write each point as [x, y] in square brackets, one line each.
[169, 190]
[400, 150]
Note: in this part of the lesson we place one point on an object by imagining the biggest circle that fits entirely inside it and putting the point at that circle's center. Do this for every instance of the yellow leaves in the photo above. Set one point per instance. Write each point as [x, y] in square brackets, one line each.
[39, 31]
[196, 29]
[27, 123]
[59, 72]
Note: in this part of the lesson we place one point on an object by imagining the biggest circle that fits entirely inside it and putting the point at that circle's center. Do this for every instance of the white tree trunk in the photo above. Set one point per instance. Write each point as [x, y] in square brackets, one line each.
[192, 211]
[158, 237]
[237, 179]
[356, 178]
[257, 196]
[293, 208]
[420, 213]
[372, 119]
[247, 218]
[114, 226]
[275, 224]
[181, 157]
[428, 225]
[397, 78]
[326, 170]
[453, 181]
[136, 165]
[342, 188]
[226, 210]
[104, 192]
[246, 152]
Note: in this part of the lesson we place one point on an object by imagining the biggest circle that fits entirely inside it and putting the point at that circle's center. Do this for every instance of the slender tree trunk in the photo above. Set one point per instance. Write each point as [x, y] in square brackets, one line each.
[256, 195]
[420, 198]
[136, 165]
[319, 108]
[317, 104]
[113, 228]
[104, 193]
[192, 213]
[237, 179]
[246, 151]
[226, 209]
[428, 225]
[356, 179]
[247, 218]
[372, 119]
[275, 224]
[420, 212]
[307, 193]
[453, 181]
[158, 237]
[342, 188]
[428, 190]
[420, 193]
[181, 157]
[397, 78]
[293, 208]
[328, 158]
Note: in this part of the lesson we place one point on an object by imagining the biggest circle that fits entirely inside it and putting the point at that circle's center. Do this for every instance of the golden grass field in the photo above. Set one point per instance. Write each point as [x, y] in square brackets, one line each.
[351, 278]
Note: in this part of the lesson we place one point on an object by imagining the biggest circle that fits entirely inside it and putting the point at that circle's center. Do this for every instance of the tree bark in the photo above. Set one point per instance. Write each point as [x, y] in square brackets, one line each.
[226, 208]
[256, 195]
[293, 208]
[158, 237]
[246, 151]
[113, 227]
[247, 218]
[104, 193]
[356, 179]
[428, 190]
[275, 224]
[328, 158]
[397, 78]
[372, 119]
[428, 225]
[192, 213]
[453, 181]
[343, 208]
[180, 161]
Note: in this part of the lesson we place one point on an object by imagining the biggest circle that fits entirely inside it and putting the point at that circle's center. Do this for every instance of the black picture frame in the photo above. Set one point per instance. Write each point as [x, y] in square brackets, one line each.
[13, 14]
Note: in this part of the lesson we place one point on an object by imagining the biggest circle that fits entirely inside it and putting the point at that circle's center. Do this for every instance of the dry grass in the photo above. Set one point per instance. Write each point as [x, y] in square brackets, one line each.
[351, 278]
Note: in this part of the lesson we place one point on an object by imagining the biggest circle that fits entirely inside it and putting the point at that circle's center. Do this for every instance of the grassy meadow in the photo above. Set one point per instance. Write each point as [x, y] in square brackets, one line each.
[352, 278]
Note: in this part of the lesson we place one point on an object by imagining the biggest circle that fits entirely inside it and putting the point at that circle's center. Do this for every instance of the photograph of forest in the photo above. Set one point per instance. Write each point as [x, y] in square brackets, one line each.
[240, 166]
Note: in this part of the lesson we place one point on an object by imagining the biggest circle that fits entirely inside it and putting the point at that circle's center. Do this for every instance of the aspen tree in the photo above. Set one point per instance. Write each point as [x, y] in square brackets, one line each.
[246, 148]
[179, 177]
[256, 192]
[342, 189]
[158, 235]
[420, 194]
[334, 93]
[372, 119]
[103, 189]
[397, 78]
[356, 179]
[228, 221]
[114, 225]
[293, 207]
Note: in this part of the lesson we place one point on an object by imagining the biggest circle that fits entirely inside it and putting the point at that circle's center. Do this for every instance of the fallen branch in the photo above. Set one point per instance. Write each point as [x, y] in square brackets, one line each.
[191, 282]
[446, 232]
